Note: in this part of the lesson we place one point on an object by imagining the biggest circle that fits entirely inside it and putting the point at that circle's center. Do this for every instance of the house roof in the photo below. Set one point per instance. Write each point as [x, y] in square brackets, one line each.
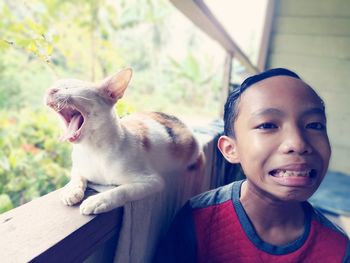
[203, 17]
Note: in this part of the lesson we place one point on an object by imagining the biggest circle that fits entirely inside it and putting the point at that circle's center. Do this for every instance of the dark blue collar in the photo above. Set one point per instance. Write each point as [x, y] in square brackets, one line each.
[253, 236]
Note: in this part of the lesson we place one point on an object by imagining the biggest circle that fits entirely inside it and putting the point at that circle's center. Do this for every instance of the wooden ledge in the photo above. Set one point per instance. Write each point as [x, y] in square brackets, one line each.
[44, 230]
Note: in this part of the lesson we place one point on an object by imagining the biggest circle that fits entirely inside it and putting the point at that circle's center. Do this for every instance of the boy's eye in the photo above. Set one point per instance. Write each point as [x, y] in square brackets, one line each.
[266, 126]
[316, 126]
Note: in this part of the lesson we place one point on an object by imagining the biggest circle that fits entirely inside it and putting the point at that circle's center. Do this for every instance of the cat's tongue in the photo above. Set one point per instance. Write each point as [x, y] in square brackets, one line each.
[73, 126]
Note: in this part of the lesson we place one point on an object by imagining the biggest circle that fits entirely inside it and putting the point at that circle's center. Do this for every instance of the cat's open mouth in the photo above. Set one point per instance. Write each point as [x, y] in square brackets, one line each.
[74, 121]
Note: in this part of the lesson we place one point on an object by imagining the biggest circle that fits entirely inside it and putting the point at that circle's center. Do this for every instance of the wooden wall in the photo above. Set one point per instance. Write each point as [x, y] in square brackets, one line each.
[312, 37]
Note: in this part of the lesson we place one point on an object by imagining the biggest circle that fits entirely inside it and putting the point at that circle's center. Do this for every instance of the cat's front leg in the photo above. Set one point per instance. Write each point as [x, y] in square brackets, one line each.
[122, 194]
[73, 192]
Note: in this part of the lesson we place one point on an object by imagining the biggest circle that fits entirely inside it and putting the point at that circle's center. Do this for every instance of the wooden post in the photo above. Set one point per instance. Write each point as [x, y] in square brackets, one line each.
[226, 81]
[265, 38]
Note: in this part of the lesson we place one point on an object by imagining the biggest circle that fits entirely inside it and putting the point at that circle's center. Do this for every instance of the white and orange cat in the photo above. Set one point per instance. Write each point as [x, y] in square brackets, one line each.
[131, 153]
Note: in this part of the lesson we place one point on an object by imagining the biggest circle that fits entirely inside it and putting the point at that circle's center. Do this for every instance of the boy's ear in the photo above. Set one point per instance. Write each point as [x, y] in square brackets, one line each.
[114, 86]
[228, 148]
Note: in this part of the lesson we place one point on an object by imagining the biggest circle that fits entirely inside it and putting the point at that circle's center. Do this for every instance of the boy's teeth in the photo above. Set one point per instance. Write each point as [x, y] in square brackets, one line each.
[286, 173]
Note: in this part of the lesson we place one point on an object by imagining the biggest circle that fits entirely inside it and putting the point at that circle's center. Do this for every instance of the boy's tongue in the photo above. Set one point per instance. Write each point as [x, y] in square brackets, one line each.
[73, 126]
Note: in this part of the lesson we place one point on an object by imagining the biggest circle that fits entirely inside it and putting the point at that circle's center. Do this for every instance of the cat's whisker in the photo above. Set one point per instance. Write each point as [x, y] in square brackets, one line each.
[62, 103]
[81, 97]
[60, 106]
[65, 102]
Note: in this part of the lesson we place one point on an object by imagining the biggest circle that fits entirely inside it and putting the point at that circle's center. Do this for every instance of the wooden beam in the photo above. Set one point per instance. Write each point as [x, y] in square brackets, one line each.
[44, 230]
[226, 82]
[201, 16]
[266, 35]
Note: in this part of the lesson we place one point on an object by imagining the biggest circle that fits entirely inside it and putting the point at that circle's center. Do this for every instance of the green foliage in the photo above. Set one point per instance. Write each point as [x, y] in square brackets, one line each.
[10, 94]
[41, 40]
[122, 108]
[5, 203]
[196, 77]
[26, 29]
[32, 161]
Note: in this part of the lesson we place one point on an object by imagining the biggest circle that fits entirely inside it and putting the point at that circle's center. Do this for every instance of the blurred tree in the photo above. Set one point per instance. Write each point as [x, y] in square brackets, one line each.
[32, 161]
[196, 77]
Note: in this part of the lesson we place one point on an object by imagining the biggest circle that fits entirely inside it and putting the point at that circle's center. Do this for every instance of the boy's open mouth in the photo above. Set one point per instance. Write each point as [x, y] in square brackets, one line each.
[74, 121]
[288, 173]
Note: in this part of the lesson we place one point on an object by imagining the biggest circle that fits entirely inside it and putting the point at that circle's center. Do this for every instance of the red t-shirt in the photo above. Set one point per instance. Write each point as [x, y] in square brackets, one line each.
[213, 227]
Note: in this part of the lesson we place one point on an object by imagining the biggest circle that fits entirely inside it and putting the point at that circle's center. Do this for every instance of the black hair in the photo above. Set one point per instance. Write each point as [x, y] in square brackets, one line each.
[231, 112]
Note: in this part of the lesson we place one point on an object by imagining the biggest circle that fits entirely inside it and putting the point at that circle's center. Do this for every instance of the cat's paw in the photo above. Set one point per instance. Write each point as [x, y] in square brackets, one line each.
[72, 194]
[94, 205]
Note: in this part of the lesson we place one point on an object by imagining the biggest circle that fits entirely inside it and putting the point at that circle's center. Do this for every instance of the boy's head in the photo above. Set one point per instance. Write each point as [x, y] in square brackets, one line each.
[231, 108]
[275, 127]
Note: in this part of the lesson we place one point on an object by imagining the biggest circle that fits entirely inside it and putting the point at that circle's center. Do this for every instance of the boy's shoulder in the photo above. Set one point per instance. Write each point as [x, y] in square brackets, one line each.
[327, 230]
[216, 196]
[323, 220]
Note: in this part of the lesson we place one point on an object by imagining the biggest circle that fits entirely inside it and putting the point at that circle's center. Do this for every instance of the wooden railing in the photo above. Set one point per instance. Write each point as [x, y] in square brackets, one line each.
[44, 230]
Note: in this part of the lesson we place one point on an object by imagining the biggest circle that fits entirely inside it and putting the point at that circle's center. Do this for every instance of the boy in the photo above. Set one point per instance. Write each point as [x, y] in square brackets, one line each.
[275, 128]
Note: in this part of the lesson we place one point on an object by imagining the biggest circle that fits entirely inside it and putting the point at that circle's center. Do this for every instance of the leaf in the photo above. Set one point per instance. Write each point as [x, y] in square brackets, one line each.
[5, 203]
[4, 163]
[12, 160]
[32, 47]
[49, 50]
[17, 27]
[4, 44]
[37, 28]
[55, 38]
[123, 108]
[23, 43]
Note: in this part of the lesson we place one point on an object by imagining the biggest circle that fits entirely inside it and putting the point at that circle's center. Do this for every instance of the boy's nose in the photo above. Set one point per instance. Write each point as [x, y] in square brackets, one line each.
[296, 142]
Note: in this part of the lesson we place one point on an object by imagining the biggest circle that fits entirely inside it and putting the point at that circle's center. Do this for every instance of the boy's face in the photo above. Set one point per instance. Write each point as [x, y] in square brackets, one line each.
[280, 139]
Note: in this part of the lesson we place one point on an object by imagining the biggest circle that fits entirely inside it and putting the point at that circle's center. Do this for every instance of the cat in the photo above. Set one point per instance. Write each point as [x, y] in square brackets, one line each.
[131, 153]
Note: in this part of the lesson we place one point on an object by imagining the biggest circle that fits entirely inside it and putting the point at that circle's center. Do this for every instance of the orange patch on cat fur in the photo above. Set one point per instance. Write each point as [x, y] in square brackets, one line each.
[139, 128]
[183, 144]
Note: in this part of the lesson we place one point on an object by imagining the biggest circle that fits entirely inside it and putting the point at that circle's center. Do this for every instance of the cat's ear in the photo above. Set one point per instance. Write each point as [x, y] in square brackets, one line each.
[114, 86]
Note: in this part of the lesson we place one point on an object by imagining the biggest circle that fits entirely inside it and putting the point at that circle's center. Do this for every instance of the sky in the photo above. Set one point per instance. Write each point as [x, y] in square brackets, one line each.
[243, 20]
